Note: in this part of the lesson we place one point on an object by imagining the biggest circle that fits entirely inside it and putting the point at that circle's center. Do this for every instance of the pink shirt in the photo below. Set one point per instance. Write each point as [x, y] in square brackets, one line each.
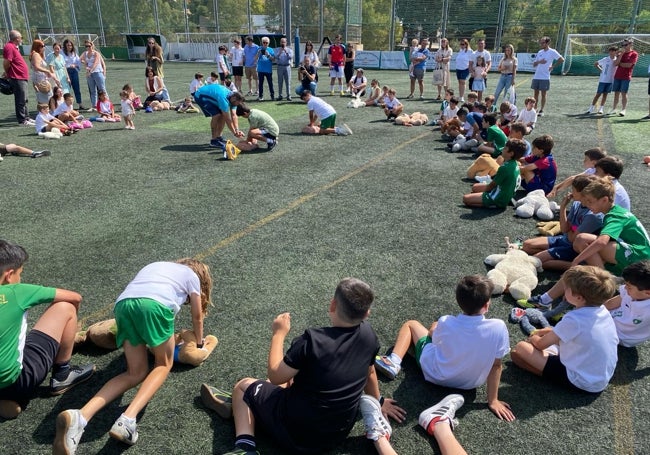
[18, 68]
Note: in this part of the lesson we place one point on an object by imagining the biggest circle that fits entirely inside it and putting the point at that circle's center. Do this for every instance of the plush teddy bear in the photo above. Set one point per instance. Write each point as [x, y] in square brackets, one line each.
[356, 102]
[54, 134]
[102, 334]
[483, 165]
[514, 272]
[535, 203]
[549, 228]
[415, 119]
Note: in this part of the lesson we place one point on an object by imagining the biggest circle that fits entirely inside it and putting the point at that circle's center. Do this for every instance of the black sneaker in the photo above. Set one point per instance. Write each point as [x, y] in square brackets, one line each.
[218, 143]
[76, 376]
[271, 146]
[41, 153]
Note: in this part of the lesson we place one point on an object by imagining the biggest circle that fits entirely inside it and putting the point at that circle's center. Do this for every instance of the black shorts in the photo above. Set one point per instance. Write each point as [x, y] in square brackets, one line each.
[38, 358]
[555, 371]
[237, 70]
[222, 77]
[266, 401]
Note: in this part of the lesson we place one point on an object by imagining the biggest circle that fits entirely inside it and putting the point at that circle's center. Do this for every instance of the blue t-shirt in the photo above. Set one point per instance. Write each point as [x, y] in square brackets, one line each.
[474, 118]
[249, 55]
[264, 63]
[213, 95]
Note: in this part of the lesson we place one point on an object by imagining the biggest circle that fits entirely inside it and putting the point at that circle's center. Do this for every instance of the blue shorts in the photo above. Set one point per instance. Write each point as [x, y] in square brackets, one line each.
[541, 84]
[621, 85]
[207, 104]
[560, 248]
[604, 87]
[462, 75]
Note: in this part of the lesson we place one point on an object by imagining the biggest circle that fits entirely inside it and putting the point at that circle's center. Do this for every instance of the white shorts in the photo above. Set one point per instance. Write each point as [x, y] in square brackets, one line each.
[336, 72]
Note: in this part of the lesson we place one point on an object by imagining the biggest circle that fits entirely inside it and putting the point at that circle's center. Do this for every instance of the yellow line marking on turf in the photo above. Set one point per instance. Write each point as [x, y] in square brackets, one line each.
[621, 399]
[301, 200]
[102, 312]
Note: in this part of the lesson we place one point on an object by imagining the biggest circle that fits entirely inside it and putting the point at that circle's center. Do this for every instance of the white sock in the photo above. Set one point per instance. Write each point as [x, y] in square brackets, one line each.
[128, 419]
[82, 421]
[331, 88]
[545, 298]
[397, 360]
[269, 140]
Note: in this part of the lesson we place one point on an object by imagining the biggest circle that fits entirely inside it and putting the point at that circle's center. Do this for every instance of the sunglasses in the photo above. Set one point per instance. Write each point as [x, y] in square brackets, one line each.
[87, 45]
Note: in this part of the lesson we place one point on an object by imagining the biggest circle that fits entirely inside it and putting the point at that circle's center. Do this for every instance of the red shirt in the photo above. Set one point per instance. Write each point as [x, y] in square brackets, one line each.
[18, 68]
[626, 73]
[337, 54]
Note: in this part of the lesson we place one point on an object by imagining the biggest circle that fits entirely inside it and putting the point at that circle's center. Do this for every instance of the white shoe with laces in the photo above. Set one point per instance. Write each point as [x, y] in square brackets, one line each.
[441, 411]
[374, 422]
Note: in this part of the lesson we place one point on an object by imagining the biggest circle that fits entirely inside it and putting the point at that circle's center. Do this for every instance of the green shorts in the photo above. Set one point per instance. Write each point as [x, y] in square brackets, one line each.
[143, 321]
[329, 122]
[487, 200]
[419, 347]
[625, 255]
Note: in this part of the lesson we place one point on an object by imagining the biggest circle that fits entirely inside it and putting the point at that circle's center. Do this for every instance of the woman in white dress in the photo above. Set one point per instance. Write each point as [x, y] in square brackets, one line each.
[443, 57]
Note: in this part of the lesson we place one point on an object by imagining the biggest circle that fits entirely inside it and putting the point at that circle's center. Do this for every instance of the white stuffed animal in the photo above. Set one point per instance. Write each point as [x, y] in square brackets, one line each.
[356, 102]
[536, 203]
[54, 134]
[514, 272]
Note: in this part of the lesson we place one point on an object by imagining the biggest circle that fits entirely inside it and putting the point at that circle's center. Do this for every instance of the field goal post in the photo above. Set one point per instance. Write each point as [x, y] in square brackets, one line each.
[199, 47]
[77, 38]
[585, 49]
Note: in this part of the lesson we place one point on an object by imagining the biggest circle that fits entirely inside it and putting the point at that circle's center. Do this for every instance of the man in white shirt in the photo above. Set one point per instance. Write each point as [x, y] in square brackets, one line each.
[545, 61]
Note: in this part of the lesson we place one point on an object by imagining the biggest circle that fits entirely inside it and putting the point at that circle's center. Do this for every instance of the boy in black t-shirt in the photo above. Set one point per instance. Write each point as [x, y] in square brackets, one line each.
[310, 401]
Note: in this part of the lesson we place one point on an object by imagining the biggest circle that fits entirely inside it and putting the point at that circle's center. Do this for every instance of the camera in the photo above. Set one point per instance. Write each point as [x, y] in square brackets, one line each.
[302, 68]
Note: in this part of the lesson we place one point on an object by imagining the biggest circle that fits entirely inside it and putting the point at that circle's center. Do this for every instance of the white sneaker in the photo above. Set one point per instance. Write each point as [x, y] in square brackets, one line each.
[600, 111]
[374, 422]
[340, 131]
[347, 129]
[456, 148]
[622, 113]
[68, 432]
[590, 110]
[124, 431]
[483, 178]
[441, 411]
[612, 112]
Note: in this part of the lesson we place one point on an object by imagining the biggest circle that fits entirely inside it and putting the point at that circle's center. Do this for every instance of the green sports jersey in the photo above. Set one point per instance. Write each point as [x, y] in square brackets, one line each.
[260, 119]
[506, 184]
[15, 300]
[627, 231]
[498, 138]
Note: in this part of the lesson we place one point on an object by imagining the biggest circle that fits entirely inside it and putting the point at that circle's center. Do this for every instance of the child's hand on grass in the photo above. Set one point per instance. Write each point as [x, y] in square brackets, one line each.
[502, 410]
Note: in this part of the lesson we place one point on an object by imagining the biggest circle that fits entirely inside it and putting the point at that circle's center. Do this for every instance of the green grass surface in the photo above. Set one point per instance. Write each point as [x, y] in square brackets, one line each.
[279, 230]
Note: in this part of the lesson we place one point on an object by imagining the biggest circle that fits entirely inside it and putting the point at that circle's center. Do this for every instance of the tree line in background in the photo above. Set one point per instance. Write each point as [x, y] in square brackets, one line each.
[519, 22]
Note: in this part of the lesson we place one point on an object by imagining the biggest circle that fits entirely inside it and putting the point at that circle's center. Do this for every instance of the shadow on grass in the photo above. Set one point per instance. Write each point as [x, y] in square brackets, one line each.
[189, 148]
[626, 372]
[480, 213]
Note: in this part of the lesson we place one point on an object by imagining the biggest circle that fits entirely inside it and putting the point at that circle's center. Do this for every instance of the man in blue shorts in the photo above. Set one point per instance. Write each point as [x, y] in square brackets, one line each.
[218, 102]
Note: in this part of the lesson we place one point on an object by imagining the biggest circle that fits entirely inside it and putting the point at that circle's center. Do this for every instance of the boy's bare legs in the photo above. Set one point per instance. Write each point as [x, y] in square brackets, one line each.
[446, 440]
[383, 447]
[527, 174]
[244, 420]
[473, 199]
[535, 245]
[59, 321]
[409, 334]
[527, 357]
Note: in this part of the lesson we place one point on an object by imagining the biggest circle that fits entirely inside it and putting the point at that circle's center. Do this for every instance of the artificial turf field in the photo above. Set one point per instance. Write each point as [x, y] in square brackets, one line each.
[279, 230]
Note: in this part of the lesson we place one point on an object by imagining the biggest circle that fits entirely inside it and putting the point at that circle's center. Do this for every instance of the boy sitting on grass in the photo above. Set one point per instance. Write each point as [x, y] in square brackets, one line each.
[262, 128]
[630, 309]
[496, 138]
[462, 352]
[309, 402]
[592, 156]
[539, 170]
[499, 192]
[580, 351]
[26, 357]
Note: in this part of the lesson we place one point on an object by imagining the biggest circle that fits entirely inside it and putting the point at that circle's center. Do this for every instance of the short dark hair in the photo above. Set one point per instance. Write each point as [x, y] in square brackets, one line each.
[462, 112]
[581, 181]
[304, 94]
[454, 99]
[353, 298]
[12, 256]
[544, 143]
[610, 165]
[594, 284]
[518, 148]
[236, 97]
[490, 118]
[242, 109]
[481, 107]
[518, 126]
[638, 274]
[595, 153]
[473, 292]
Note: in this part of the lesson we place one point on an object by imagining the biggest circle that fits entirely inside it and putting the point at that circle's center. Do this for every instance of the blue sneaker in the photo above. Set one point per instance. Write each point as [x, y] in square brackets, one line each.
[385, 366]
[218, 143]
[534, 302]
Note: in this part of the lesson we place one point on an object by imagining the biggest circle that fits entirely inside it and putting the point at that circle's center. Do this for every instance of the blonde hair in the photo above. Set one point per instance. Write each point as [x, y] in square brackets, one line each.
[205, 278]
[599, 188]
[594, 284]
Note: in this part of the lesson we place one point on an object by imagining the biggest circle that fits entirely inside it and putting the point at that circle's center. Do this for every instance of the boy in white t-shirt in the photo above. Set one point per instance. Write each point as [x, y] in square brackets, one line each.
[606, 67]
[322, 117]
[65, 112]
[528, 116]
[580, 352]
[630, 309]
[463, 351]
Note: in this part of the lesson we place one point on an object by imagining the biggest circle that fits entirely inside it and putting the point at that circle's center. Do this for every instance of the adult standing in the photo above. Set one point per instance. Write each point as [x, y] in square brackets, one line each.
[508, 69]
[95, 72]
[218, 102]
[337, 64]
[72, 65]
[463, 58]
[153, 55]
[236, 55]
[624, 63]
[250, 65]
[41, 73]
[17, 73]
[487, 57]
[264, 59]
[284, 60]
[419, 60]
[443, 57]
[545, 61]
[348, 68]
[56, 62]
